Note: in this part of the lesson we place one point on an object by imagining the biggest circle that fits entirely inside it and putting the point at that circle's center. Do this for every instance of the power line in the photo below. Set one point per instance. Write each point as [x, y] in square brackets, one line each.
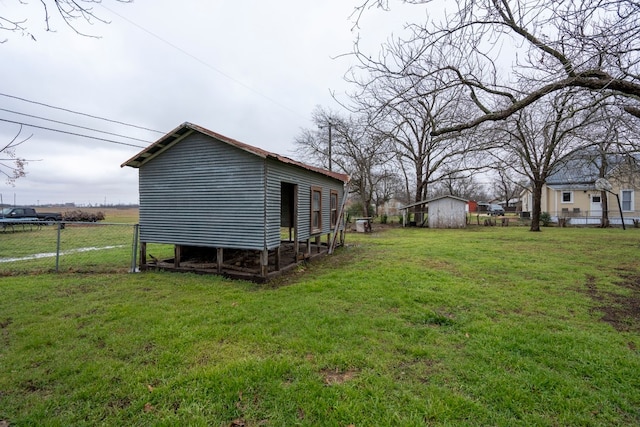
[206, 64]
[72, 133]
[76, 126]
[80, 113]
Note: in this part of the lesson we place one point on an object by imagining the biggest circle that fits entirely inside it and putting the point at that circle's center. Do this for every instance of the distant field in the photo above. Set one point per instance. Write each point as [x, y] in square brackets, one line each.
[488, 326]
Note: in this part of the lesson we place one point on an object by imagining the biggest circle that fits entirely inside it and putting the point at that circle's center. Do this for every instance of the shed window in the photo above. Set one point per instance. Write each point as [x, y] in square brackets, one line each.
[316, 209]
[567, 197]
[627, 200]
[334, 208]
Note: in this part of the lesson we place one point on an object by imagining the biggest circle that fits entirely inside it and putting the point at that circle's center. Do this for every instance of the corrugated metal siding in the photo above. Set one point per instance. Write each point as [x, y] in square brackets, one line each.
[278, 173]
[203, 192]
[447, 213]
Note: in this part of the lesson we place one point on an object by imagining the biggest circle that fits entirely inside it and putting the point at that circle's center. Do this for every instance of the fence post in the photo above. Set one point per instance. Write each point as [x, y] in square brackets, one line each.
[58, 248]
[134, 249]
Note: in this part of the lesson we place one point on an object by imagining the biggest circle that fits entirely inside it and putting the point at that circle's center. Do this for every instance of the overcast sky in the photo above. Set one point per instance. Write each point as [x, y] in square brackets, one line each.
[252, 70]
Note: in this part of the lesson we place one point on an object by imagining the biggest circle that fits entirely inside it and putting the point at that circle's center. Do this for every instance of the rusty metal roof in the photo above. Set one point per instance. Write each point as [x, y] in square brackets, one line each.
[187, 128]
[426, 202]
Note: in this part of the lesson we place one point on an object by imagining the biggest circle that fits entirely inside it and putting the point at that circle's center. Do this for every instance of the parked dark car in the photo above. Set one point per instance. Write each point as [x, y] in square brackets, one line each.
[28, 214]
[496, 210]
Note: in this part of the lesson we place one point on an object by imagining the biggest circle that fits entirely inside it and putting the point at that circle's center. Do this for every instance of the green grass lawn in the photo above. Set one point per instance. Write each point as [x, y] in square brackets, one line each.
[406, 327]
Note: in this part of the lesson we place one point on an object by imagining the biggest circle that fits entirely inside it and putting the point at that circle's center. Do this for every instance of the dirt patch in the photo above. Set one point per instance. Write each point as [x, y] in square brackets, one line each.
[619, 309]
[336, 376]
[119, 403]
[343, 256]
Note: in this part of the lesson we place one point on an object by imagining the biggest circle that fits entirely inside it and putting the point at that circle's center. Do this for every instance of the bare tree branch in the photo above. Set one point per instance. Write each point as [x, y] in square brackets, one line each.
[72, 12]
[593, 81]
[355, 148]
[509, 54]
[12, 166]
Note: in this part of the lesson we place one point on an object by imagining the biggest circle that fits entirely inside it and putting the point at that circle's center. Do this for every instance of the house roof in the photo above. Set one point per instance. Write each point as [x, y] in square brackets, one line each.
[575, 170]
[425, 202]
[582, 169]
[187, 128]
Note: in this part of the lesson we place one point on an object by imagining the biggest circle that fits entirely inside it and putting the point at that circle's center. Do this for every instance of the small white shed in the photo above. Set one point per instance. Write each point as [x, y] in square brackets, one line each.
[447, 212]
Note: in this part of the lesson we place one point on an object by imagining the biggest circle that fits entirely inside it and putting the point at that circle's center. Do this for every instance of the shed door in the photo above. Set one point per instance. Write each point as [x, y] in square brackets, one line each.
[288, 208]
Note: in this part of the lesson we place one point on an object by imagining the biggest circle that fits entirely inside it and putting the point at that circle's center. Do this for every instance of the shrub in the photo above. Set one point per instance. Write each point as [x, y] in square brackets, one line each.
[356, 210]
[545, 219]
[383, 219]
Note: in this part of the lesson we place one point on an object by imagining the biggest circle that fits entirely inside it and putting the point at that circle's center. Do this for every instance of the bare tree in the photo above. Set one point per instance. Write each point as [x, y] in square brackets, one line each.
[405, 108]
[72, 12]
[549, 47]
[456, 183]
[507, 184]
[353, 148]
[12, 166]
[388, 186]
[539, 137]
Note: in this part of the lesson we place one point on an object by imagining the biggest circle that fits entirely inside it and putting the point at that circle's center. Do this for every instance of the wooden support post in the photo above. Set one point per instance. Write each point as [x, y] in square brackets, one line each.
[318, 240]
[278, 258]
[309, 247]
[264, 263]
[176, 255]
[296, 243]
[143, 255]
[219, 259]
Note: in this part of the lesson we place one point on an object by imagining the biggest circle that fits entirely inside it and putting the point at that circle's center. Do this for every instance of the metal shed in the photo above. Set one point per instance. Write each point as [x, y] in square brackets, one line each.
[443, 211]
[212, 196]
[447, 212]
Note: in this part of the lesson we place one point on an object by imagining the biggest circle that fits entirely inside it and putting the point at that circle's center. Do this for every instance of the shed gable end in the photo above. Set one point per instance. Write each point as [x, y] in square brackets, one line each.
[203, 192]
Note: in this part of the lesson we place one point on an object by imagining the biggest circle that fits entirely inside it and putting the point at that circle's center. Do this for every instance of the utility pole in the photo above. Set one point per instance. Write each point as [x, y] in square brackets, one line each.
[329, 124]
[330, 147]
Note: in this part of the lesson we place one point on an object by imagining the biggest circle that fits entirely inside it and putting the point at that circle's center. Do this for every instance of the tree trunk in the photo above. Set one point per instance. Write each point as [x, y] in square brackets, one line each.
[604, 201]
[365, 197]
[536, 209]
[417, 210]
[365, 208]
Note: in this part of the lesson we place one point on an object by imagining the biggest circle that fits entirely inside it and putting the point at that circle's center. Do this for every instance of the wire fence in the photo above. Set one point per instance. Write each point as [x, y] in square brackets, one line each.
[39, 247]
[583, 218]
